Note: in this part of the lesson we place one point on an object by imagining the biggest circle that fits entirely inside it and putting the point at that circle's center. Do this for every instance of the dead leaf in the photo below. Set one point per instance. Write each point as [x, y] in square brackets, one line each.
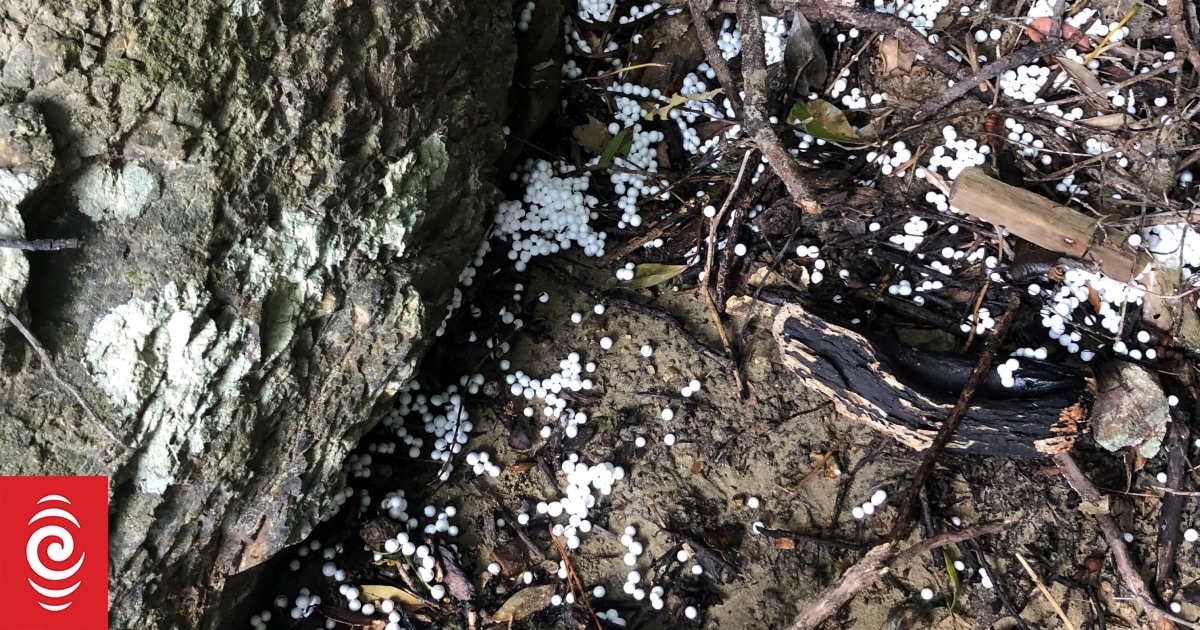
[1087, 83]
[593, 136]
[1109, 122]
[1039, 29]
[407, 600]
[457, 583]
[897, 57]
[698, 467]
[650, 274]
[784, 543]
[676, 100]
[521, 466]
[804, 61]
[823, 120]
[525, 602]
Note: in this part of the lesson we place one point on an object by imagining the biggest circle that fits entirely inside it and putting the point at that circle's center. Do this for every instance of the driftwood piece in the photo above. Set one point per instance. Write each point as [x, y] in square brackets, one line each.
[1028, 215]
[905, 393]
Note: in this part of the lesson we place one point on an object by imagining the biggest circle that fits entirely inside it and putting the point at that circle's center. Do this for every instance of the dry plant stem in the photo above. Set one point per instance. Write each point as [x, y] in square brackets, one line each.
[39, 245]
[950, 424]
[708, 43]
[874, 566]
[1037, 581]
[709, 258]
[1170, 513]
[754, 118]
[7, 313]
[573, 578]
[1097, 507]
[989, 72]
[1179, 32]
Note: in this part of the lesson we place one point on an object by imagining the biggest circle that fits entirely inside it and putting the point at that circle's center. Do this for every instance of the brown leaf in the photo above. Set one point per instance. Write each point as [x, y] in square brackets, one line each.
[407, 600]
[1087, 83]
[897, 57]
[698, 467]
[1109, 122]
[592, 136]
[457, 583]
[525, 602]
[521, 466]
[784, 543]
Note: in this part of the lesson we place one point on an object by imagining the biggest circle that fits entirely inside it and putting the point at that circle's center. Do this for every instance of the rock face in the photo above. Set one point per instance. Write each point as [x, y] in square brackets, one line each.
[274, 202]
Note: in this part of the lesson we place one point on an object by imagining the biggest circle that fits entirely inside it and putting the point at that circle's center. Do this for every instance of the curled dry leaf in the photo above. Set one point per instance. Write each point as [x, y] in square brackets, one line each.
[650, 274]
[1110, 122]
[1086, 82]
[525, 602]
[407, 600]
[1039, 29]
[897, 57]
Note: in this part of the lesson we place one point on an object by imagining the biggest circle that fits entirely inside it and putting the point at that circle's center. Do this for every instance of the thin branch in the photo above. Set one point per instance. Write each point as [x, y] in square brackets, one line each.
[955, 418]
[1096, 506]
[873, 566]
[39, 245]
[1011, 61]
[709, 277]
[708, 42]
[1172, 504]
[755, 120]
[8, 314]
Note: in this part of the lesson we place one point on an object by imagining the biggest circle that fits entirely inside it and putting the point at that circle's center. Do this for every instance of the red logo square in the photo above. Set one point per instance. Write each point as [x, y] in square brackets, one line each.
[54, 553]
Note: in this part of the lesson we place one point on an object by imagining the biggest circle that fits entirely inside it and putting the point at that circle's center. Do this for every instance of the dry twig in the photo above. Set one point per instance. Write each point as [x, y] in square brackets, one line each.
[950, 424]
[573, 579]
[7, 313]
[710, 257]
[874, 566]
[1014, 60]
[755, 120]
[39, 245]
[1096, 506]
[712, 52]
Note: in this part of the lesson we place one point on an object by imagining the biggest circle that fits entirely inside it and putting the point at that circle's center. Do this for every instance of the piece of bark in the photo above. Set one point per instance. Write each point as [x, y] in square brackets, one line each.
[1028, 215]
[895, 391]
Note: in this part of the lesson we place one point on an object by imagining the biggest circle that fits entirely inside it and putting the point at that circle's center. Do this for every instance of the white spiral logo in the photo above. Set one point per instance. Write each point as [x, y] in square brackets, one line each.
[59, 551]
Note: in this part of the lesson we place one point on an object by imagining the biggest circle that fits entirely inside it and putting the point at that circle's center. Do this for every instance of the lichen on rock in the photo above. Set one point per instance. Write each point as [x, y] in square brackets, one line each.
[107, 195]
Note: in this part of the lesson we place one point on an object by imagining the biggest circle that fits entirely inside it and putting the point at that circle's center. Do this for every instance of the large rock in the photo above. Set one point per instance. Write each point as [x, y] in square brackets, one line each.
[274, 201]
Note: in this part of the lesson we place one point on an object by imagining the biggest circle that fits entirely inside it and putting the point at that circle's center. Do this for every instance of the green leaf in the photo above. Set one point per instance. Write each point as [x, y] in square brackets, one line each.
[678, 99]
[823, 120]
[621, 143]
[650, 274]
[955, 582]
